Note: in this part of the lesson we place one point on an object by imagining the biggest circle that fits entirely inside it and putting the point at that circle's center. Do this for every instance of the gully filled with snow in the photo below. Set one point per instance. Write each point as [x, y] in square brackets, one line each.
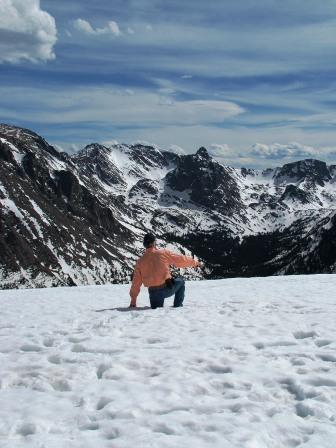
[247, 363]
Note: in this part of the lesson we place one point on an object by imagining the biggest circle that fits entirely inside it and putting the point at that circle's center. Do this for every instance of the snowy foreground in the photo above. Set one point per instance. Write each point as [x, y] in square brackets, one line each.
[247, 363]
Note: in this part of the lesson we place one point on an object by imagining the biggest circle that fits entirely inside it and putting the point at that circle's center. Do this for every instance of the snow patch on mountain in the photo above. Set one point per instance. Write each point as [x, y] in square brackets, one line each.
[64, 217]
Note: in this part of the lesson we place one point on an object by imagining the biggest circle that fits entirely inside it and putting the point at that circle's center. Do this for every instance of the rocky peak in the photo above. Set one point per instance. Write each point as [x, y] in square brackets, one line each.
[94, 160]
[210, 183]
[314, 171]
[203, 153]
[93, 150]
[148, 156]
[79, 219]
[294, 193]
[332, 170]
[25, 141]
[248, 172]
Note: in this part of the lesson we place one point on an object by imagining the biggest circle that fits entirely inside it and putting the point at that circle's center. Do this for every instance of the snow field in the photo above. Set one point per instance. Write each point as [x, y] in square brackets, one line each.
[246, 363]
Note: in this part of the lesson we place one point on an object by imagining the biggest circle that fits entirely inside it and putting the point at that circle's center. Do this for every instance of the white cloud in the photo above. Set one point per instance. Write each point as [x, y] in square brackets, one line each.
[86, 27]
[113, 28]
[129, 92]
[177, 150]
[278, 150]
[59, 148]
[221, 150]
[120, 108]
[26, 32]
[73, 149]
[109, 143]
[142, 116]
[143, 143]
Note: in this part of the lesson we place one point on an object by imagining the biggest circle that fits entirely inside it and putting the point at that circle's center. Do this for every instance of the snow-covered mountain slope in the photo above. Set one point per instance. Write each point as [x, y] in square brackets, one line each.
[80, 219]
[246, 363]
[54, 228]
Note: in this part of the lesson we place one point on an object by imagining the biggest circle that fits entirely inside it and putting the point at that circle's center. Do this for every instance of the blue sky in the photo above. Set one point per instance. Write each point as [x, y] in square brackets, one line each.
[252, 80]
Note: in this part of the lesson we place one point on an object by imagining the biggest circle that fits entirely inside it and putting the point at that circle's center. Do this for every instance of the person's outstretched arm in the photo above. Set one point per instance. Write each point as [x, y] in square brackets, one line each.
[181, 261]
[136, 285]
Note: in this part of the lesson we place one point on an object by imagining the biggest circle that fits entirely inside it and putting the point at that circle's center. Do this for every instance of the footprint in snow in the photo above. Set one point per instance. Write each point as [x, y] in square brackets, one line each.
[61, 386]
[298, 362]
[104, 401]
[30, 348]
[48, 342]
[6, 327]
[78, 348]
[91, 426]
[327, 357]
[303, 411]
[154, 340]
[304, 334]
[322, 342]
[219, 369]
[165, 429]
[75, 339]
[321, 382]
[112, 434]
[26, 429]
[54, 359]
[102, 368]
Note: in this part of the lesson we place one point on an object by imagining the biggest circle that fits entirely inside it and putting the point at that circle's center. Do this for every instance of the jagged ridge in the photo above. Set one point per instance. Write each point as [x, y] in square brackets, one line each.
[80, 219]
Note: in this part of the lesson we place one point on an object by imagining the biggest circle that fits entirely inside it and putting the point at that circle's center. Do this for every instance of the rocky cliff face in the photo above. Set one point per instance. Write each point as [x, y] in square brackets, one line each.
[54, 228]
[80, 219]
[313, 171]
[209, 184]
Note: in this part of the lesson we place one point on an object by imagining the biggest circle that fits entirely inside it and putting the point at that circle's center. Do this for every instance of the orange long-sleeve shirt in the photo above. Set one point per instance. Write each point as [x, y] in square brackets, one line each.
[152, 269]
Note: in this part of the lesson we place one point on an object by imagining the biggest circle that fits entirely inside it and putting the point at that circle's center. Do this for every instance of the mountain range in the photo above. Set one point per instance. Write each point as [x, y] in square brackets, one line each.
[80, 219]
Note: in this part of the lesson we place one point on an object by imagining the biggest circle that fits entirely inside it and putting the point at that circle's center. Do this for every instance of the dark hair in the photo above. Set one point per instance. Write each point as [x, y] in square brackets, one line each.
[149, 240]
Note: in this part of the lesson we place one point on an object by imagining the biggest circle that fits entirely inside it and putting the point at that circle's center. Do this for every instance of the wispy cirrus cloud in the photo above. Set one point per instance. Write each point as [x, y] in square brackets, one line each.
[229, 74]
[26, 32]
[122, 107]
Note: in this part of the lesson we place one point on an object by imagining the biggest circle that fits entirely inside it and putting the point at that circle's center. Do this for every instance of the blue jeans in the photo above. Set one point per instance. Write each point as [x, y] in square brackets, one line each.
[157, 296]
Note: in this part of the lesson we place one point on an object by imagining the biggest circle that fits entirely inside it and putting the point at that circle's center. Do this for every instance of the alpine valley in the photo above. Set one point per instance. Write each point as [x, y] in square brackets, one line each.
[80, 219]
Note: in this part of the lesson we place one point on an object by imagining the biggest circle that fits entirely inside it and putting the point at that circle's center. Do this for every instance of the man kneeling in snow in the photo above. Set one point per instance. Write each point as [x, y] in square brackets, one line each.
[152, 270]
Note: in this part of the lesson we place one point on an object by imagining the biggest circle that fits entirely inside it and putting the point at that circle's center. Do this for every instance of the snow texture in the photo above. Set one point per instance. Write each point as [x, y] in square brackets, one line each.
[246, 363]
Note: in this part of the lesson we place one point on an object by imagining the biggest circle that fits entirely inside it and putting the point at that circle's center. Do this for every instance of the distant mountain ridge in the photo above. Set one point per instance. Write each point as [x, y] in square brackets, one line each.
[79, 219]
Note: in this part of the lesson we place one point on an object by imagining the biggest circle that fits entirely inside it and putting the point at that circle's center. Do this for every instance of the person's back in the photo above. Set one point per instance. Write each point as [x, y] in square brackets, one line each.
[152, 270]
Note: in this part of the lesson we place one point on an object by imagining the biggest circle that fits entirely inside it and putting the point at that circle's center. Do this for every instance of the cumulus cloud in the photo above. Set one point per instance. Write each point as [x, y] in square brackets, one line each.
[221, 150]
[144, 143]
[26, 31]
[278, 150]
[109, 143]
[260, 154]
[86, 27]
[177, 150]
